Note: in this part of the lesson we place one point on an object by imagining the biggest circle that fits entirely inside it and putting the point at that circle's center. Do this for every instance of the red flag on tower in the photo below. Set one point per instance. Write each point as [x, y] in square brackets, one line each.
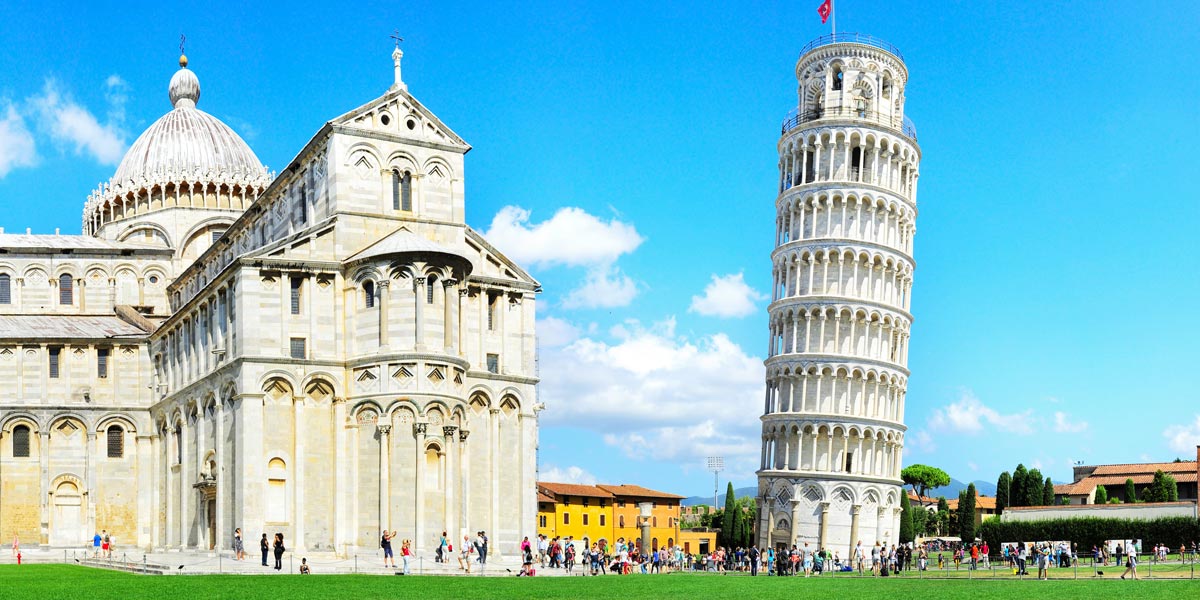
[825, 10]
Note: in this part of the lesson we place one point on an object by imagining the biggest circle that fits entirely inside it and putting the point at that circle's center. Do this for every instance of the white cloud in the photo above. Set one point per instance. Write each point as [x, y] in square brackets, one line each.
[972, 466]
[969, 414]
[1063, 424]
[17, 148]
[655, 395]
[570, 474]
[727, 296]
[605, 287]
[68, 122]
[920, 441]
[571, 237]
[553, 332]
[1183, 438]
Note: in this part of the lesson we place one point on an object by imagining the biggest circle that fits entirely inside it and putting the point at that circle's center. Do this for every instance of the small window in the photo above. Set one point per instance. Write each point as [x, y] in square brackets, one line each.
[542, 521]
[654, 521]
[493, 363]
[216, 235]
[491, 312]
[369, 294]
[401, 191]
[102, 362]
[55, 354]
[837, 79]
[179, 444]
[849, 461]
[20, 441]
[299, 351]
[429, 283]
[602, 520]
[5, 289]
[585, 501]
[116, 442]
[302, 206]
[297, 287]
[566, 518]
[621, 521]
[585, 519]
[66, 290]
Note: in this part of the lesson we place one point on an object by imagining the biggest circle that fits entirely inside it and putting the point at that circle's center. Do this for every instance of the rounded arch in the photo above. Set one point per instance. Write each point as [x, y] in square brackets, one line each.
[68, 416]
[124, 421]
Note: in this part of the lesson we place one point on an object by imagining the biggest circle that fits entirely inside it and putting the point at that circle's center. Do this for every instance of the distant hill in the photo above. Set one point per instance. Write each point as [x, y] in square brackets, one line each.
[737, 493]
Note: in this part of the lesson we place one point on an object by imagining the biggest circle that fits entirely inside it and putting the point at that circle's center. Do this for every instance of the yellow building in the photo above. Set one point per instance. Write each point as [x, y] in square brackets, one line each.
[607, 513]
[581, 512]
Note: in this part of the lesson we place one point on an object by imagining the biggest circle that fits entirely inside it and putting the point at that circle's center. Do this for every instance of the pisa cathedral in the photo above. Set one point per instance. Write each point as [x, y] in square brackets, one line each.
[833, 422]
[326, 352]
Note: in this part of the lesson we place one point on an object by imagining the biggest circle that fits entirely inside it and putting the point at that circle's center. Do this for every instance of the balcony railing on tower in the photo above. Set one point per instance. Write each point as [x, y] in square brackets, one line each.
[796, 119]
[851, 38]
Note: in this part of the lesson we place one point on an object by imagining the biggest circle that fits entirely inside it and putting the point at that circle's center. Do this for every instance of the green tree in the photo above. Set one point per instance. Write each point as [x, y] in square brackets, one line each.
[906, 521]
[1033, 488]
[1162, 489]
[1101, 495]
[1016, 495]
[920, 521]
[943, 516]
[1130, 492]
[1048, 493]
[729, 520]
[966, 513]
[1002, 487]
[923, 478]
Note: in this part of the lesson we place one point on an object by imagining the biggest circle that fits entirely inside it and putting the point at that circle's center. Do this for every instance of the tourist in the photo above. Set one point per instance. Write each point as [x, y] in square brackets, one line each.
[542, 547]
[304, 570]
[104, 542]
[1022, 553]
[1044, 563]
[483, 547]
[265, 547]
[405, 552]
[974, 556]
[95, 545]
[1130, 563]
[441, 549]
[569, 556]
[983, 554]
[239, 550]
[279, 550]
[754, 558]
[464, 554]
[859, 557]
[875, 555]
[385, 542]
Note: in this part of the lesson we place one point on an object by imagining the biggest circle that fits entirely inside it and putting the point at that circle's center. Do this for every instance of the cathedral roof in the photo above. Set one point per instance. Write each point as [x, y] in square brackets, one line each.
[187, 143]
[31, 327]
[403, 242]
[86, 244]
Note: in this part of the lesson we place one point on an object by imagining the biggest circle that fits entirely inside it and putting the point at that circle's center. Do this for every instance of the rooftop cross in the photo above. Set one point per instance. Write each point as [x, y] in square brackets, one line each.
[396, 36]
[396, 55]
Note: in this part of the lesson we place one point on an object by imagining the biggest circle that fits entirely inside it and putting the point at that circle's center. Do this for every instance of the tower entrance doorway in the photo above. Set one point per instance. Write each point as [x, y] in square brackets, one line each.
[66, 516]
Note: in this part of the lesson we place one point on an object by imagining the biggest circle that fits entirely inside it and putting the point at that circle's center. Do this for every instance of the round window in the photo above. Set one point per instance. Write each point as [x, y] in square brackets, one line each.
[411, 124]
[154, 279]
[385, 119]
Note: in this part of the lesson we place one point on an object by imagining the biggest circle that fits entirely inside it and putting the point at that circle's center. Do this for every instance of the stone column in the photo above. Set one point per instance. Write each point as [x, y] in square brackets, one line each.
[222, 491]
[450, 462]
[44, 459]
[384, 468]
[419, 499]
[298, 477]
[419, 295]
[494, 462]
[89, 479]
[449, 297]
[823, 540]
[795, 533]
[854, 510]
[464, 470]
[383, 286]
[770, 523]
[340, 469]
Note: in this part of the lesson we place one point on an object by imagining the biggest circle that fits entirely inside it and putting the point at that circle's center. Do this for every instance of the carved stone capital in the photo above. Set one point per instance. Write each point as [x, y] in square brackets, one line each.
[384, 429]
[462, 434]
[448, 431]
[419, 428]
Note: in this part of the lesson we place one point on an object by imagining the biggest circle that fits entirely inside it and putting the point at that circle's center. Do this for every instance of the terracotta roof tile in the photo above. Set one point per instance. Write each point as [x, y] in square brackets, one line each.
[573, 489]
[1136, 468]
[637, 491]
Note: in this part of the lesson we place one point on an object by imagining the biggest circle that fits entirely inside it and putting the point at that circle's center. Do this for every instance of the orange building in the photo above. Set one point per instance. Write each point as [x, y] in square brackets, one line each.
[664, 514]
[581, 512]
[606, 513]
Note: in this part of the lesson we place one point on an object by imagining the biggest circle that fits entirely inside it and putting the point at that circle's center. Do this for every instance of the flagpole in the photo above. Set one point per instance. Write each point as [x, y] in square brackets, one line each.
[833, 15]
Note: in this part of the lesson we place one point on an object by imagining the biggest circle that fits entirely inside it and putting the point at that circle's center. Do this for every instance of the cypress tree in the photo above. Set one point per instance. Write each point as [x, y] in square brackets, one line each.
[1130, 492]
[729, 522]
[1048, 493]
[1033, 488]
[1002, 487]
[943, 516]
[1016, 495]
[966, 514]
[1101, 496]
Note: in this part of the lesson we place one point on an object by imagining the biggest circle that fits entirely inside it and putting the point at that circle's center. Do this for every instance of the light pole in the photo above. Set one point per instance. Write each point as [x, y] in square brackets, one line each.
[716, 464]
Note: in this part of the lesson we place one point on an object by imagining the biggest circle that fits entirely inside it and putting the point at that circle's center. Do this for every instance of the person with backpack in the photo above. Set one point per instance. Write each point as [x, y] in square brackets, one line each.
[385, 542]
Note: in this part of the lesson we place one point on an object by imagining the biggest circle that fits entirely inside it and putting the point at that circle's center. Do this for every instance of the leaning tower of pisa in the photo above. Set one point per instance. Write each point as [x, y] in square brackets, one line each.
[833, 420]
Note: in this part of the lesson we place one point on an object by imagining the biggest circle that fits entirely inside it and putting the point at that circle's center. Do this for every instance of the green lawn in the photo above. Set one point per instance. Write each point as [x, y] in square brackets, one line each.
[62, 581]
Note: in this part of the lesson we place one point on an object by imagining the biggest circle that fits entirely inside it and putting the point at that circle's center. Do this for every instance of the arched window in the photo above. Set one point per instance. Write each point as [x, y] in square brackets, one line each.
[837, 78]
[179, 444]
[429, 283]
[66, 289]
[401, 191]
[116, 441]
[5, 289]
[276, 491]
[368, 288]
[20, 441]
[621, 521]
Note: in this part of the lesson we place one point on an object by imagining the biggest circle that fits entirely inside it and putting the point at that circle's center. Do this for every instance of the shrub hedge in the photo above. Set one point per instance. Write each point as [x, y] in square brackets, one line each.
[1093, 531]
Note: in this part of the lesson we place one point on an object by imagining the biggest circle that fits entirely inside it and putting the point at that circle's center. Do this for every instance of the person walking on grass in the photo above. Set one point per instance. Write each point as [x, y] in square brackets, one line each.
[1130, 564]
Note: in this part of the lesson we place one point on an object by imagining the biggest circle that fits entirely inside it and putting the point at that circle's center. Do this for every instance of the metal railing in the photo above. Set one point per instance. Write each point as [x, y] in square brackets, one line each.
[904, 125]
[852, 38]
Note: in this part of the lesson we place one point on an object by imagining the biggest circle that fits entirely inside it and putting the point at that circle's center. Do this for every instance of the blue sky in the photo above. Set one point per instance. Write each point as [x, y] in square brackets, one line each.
[626, 153]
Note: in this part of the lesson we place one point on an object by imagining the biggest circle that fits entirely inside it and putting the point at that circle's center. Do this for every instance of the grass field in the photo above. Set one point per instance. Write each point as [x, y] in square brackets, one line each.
[45, 582]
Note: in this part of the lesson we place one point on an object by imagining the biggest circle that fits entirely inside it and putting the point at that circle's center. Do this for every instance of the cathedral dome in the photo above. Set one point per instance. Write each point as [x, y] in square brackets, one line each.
[187, 142]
